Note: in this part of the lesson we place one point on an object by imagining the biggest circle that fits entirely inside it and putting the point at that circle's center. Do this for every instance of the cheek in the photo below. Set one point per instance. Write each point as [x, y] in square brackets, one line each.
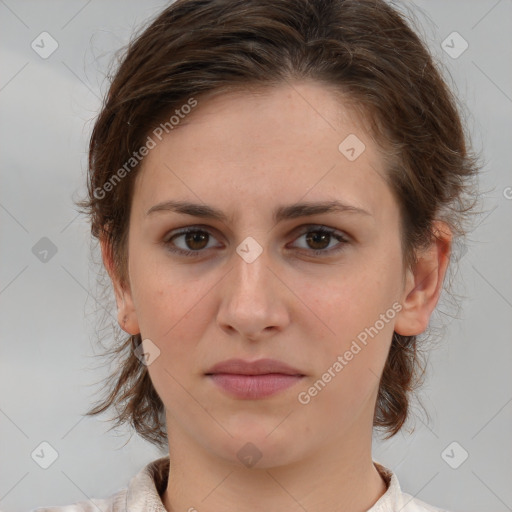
[174, 310]
[355, 312]
[349, 363]
[172, 315]
[352, 299]
[165, 296]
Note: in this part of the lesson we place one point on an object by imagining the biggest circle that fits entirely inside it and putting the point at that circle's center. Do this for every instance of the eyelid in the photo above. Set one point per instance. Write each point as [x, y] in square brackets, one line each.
[187, 229]
[306, 228]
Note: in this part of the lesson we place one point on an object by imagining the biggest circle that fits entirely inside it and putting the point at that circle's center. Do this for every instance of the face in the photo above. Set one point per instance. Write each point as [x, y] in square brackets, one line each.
[317, 289]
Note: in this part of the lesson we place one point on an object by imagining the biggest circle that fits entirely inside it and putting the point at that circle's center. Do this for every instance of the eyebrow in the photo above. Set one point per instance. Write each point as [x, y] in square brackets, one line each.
[281, 213]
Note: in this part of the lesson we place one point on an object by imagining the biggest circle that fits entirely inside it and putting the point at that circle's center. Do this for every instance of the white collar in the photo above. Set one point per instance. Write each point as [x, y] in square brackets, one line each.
[145, 489]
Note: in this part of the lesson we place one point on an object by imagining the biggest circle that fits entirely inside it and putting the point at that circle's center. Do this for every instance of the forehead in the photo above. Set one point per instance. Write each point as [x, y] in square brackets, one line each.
[298, 141]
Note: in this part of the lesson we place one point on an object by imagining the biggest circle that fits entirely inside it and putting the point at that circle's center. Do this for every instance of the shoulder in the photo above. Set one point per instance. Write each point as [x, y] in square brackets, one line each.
[411, 504]
[395, 499]
[114, 503]
[141, 495]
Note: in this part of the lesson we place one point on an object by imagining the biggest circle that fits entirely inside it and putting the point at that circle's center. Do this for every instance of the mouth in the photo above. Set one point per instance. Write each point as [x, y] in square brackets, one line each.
[253, 380]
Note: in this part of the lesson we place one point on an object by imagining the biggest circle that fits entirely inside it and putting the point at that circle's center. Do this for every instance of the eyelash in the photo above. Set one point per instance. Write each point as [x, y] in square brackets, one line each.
[323, 230]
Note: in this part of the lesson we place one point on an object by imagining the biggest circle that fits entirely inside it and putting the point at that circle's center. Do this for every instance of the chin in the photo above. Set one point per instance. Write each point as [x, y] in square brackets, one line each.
[259, 445]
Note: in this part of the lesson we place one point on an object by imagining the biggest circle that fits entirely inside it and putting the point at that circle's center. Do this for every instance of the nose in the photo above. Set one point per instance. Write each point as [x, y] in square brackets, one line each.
[253, 299]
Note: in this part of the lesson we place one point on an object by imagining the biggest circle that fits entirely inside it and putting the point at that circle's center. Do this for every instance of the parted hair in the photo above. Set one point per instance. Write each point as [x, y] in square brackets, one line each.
[365, 49]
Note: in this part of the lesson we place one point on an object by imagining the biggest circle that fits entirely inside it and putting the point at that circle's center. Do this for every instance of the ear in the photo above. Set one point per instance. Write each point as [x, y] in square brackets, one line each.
[126, 314]
[424, 283]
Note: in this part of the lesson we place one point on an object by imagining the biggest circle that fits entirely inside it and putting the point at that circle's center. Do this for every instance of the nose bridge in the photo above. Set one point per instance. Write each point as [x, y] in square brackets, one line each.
[251, 303]
[251, 276]
[251, 259]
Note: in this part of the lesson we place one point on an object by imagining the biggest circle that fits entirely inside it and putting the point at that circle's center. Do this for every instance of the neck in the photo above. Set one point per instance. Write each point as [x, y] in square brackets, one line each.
[338, 476]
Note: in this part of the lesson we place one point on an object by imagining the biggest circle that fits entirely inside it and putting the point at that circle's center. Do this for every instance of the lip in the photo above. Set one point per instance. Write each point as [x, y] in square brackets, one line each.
[253, 379]
[259, 367]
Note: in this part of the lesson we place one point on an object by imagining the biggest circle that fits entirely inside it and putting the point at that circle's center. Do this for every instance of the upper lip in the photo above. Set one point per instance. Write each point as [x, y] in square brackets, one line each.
[259, 367]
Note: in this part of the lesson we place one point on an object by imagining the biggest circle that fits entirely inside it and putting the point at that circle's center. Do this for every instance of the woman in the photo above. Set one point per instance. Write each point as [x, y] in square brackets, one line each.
[275, 186]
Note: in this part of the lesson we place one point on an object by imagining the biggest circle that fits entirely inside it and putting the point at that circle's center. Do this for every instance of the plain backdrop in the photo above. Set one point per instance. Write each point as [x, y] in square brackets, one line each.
[48, 306]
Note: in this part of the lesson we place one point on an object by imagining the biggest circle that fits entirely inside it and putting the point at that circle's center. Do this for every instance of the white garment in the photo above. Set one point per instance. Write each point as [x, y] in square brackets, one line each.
[144, 490]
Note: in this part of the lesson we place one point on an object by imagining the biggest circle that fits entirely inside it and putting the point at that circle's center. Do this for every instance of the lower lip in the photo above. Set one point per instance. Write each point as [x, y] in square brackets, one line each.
[254, 386]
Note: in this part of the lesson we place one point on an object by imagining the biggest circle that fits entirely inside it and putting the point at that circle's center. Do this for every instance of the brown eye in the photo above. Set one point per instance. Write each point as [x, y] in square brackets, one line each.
[319, 240]
[189, 242]
[196, 240]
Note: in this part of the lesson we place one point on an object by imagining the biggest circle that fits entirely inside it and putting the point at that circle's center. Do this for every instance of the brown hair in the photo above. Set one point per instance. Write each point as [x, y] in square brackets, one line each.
[363, 48]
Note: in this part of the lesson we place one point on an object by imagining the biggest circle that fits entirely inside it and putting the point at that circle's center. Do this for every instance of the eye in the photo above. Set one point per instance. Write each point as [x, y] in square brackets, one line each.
[192, 241]
[323, 241]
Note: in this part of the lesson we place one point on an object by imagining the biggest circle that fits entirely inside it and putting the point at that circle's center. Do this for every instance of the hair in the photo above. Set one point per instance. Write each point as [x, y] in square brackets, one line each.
[366, 50]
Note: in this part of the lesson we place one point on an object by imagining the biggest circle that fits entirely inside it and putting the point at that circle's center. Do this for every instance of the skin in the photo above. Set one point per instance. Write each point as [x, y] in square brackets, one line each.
[246, 154]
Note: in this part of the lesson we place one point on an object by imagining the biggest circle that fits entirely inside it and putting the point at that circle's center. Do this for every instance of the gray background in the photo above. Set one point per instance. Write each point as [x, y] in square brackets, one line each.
[48, 311]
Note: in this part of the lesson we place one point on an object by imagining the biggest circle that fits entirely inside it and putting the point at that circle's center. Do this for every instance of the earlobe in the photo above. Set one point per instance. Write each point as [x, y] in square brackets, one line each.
[423, 284]
[126, 314]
